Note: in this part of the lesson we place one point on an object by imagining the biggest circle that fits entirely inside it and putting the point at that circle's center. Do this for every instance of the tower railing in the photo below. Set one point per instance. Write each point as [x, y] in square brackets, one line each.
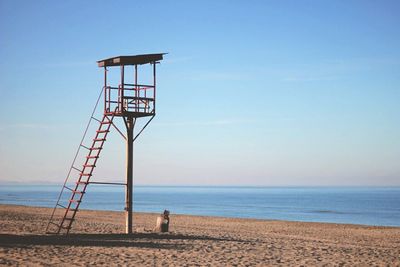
[130, 98]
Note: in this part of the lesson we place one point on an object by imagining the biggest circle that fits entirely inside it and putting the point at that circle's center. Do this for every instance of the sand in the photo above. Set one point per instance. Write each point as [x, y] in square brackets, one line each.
[97, 239]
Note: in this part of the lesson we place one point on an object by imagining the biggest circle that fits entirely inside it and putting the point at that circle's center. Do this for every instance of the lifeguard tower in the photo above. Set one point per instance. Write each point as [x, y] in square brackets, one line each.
[130, 101]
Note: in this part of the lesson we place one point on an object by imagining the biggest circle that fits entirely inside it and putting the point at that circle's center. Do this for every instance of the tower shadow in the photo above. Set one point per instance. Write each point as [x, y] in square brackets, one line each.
[140, 240]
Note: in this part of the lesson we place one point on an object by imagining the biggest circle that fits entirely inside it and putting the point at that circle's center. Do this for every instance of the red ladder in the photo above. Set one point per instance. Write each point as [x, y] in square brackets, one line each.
[63, 226]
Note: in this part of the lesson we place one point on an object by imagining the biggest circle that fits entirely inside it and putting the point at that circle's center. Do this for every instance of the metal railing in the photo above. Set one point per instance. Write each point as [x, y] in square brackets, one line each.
[137, 98]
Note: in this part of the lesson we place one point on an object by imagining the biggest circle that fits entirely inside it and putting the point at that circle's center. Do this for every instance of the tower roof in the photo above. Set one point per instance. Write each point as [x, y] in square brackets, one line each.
[130, 60]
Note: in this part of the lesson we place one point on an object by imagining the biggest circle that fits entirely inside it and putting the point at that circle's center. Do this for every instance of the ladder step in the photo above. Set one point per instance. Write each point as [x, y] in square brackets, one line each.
[96, 148]
[92, 157]
[89, 165]
[82, 182]
[75, 200]
[85, 174]
[71, 209]
[102, 131]
[78, 192]
[74, 210]
[99, 139]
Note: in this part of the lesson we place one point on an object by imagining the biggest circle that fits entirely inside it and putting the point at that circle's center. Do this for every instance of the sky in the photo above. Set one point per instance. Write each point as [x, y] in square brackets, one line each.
[259, 93]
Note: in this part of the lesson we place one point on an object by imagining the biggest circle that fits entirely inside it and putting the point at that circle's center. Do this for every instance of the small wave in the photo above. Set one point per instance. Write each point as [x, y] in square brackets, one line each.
[328, 211]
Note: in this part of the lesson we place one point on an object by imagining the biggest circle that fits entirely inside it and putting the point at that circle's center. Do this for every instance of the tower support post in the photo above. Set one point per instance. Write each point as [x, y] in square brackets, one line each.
[129, 176]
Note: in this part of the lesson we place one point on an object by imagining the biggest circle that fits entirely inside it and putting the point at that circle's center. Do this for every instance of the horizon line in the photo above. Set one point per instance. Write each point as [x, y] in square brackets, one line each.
[42, 183]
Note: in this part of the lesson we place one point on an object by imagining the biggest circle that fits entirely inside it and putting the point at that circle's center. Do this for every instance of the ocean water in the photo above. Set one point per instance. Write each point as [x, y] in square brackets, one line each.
[355, 205]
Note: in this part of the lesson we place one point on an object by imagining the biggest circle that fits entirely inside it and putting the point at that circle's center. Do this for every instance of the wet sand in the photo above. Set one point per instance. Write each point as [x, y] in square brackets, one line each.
[97, 239]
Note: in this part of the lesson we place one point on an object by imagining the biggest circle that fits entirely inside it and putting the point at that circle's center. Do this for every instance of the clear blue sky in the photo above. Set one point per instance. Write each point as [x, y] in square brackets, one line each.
[251, 92]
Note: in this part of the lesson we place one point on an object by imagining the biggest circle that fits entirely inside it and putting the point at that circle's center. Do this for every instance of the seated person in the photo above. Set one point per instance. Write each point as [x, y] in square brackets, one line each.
[162, 224]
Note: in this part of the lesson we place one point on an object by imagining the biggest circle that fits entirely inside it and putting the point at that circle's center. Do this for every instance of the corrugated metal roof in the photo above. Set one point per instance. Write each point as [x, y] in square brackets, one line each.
[130, 60]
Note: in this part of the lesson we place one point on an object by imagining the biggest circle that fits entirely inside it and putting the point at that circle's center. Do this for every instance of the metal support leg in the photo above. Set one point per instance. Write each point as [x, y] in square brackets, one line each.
[129, 175]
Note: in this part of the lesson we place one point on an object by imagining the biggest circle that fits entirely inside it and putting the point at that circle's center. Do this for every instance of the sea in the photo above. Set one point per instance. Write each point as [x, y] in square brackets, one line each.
[379, 206]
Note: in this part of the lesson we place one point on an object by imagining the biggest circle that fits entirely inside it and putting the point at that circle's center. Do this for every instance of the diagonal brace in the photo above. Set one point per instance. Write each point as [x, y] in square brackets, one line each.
[118, 130]
[147, 123]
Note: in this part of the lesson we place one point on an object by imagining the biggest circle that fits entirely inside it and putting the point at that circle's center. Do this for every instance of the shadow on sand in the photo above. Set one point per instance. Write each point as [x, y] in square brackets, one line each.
[143, 240]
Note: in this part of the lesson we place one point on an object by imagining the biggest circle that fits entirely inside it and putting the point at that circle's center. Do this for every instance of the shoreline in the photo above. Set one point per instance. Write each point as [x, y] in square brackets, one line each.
[97, 238]
[361, 206]
[221, 217]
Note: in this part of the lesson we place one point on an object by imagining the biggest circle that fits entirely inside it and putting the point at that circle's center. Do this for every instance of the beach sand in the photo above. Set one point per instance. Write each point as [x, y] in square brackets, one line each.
[97, 239]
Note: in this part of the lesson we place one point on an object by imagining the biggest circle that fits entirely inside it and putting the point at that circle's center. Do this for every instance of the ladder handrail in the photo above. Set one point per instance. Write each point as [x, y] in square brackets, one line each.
[76, 155]
[86, 183]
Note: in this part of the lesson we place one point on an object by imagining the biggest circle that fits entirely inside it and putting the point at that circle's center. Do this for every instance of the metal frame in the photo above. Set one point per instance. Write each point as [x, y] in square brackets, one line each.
[133, 101]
